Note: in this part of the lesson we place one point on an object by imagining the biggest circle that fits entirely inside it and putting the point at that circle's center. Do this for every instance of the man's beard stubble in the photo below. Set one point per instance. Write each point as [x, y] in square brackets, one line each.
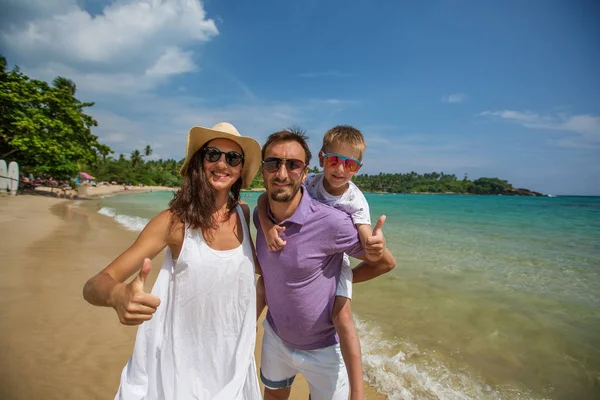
[287, 193]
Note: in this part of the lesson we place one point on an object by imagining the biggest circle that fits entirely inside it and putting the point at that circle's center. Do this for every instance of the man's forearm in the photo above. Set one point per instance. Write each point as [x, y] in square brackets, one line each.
[368, 270]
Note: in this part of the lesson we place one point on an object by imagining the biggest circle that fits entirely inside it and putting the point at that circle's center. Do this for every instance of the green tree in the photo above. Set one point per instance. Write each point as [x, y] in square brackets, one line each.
[136, 158]
[44, 128]
[104, 151]
[148, 151]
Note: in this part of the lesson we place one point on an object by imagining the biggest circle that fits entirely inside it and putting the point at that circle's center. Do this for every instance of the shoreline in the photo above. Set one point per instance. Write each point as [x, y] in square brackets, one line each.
[55, 344]
[91, 192]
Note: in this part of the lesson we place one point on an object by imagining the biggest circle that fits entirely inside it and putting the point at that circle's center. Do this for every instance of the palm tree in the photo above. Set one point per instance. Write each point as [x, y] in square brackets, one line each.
[65, 84]
[104, 151]
[136, 158]
[148, 151]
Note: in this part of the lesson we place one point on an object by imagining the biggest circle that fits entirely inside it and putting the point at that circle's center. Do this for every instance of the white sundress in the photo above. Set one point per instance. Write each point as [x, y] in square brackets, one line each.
[199, 343]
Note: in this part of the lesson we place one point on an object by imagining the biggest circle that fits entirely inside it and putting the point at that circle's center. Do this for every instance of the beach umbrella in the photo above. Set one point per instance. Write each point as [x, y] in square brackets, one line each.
[85, 175]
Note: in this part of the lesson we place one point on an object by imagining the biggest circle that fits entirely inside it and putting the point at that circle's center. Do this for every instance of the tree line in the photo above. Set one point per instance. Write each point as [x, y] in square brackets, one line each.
[45, 128]
[433, 182]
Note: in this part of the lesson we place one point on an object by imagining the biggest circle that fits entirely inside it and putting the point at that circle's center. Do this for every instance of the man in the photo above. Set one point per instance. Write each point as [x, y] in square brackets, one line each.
[300, 280]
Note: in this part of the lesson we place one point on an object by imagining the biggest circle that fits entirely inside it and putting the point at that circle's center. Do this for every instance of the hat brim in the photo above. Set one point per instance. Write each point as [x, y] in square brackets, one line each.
[198, 136]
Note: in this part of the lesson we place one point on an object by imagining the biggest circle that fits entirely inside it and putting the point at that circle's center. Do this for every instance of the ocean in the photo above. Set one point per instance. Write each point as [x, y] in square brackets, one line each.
[493, 297]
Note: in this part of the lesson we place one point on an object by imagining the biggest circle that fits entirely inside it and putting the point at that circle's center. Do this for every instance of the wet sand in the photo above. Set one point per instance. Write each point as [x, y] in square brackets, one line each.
[54, 345]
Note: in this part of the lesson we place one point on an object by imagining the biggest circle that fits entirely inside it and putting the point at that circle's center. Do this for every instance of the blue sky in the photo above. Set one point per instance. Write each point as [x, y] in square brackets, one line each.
[505, 89]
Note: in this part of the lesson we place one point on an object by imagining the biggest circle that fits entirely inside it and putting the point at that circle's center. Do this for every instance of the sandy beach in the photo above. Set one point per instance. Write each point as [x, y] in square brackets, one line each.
[97, 191]
[90, 192]
[53, 344]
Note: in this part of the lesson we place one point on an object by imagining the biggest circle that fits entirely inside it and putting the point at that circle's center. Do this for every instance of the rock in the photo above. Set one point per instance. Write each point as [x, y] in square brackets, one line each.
[520, 192]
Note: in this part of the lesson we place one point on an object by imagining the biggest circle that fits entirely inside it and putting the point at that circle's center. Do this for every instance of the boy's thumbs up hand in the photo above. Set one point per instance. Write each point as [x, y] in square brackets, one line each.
[132, 304]
[379, 226]
[375, 245]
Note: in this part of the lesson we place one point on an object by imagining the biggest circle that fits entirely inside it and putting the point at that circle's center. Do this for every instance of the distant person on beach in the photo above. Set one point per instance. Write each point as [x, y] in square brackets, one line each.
[341, 158]
[301, 278]
[198, 329]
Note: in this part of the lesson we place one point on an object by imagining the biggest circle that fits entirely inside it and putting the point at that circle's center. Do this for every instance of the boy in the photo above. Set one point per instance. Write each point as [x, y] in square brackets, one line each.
[341, 158]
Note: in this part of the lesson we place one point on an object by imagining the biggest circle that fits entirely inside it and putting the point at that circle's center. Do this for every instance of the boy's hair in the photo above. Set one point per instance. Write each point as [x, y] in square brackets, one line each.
[345, 134]
[289, 135]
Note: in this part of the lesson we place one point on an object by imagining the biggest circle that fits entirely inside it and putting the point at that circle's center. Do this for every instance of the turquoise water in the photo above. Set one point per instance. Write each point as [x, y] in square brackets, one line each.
[493, 297]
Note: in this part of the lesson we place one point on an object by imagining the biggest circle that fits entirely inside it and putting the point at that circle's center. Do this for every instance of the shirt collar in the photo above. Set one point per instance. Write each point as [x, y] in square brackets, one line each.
[299, 216]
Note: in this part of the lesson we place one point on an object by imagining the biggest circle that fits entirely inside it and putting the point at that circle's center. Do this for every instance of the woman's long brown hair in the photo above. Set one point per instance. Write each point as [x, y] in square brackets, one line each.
[194, 203]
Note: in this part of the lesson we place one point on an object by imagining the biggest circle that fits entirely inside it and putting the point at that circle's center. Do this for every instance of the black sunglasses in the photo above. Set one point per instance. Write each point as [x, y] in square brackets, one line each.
[212, 154]
[273, 164]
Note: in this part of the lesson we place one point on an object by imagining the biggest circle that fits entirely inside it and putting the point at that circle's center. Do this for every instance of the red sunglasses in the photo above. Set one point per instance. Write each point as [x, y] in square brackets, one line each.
[333, 160]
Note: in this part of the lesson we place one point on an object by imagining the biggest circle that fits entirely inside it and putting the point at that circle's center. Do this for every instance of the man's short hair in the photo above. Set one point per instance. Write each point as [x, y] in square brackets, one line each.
[289, 135]
[345, 134]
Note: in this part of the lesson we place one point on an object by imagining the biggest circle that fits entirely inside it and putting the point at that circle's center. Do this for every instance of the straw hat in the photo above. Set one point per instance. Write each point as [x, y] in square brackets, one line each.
[199, 136]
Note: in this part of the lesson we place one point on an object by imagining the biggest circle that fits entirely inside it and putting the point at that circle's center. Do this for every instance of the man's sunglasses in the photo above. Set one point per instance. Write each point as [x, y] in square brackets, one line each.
[212, 154]
[293, 166]
[333, 160]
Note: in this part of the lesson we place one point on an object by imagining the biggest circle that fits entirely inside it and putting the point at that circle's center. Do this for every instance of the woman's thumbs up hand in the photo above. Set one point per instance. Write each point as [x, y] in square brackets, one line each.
[132, 304]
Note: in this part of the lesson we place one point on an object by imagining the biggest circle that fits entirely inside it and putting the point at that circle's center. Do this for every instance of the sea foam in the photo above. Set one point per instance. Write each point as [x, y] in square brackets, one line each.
[130, 223]
[410, 374]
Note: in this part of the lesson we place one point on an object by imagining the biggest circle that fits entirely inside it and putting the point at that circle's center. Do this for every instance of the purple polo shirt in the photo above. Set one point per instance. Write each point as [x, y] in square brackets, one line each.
[301, 279]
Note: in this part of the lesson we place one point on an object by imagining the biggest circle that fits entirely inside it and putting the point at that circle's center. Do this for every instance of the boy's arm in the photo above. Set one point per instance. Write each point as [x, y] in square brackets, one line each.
[373, 244]
[372, 241]
[347, 241]
[368, 270]
[364, 231]
[270, 230]
[377, 259]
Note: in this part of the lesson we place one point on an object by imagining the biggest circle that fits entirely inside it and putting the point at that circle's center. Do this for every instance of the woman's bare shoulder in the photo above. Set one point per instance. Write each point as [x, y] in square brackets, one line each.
[167, 222]
[163, 219]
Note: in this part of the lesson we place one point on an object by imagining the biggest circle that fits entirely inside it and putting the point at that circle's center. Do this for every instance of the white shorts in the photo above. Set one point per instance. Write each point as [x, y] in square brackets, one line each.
[344, 287]
[323, 369]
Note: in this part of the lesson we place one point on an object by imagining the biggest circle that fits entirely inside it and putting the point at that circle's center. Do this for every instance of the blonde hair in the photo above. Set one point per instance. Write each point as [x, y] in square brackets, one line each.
[345, 134]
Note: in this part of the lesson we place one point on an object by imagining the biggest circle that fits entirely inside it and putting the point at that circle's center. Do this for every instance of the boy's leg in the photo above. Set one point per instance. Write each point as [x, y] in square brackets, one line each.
[349, 345]
[344, 325]
[261, 296]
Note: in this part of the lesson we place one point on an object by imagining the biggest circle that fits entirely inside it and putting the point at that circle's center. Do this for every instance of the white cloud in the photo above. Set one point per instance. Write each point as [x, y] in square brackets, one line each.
[135, 43]
[173, 61]
[115, 129]
[585, 126]
[73, 34]
[454, 98]
[98, 83]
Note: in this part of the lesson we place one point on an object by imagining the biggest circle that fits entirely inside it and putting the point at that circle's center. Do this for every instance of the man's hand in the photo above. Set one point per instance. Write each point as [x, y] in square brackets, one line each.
[375, 244]
[132, 304]
[274, 241]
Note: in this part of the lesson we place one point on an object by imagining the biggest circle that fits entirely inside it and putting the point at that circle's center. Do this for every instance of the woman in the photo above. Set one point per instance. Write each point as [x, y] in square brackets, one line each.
[198, 338]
